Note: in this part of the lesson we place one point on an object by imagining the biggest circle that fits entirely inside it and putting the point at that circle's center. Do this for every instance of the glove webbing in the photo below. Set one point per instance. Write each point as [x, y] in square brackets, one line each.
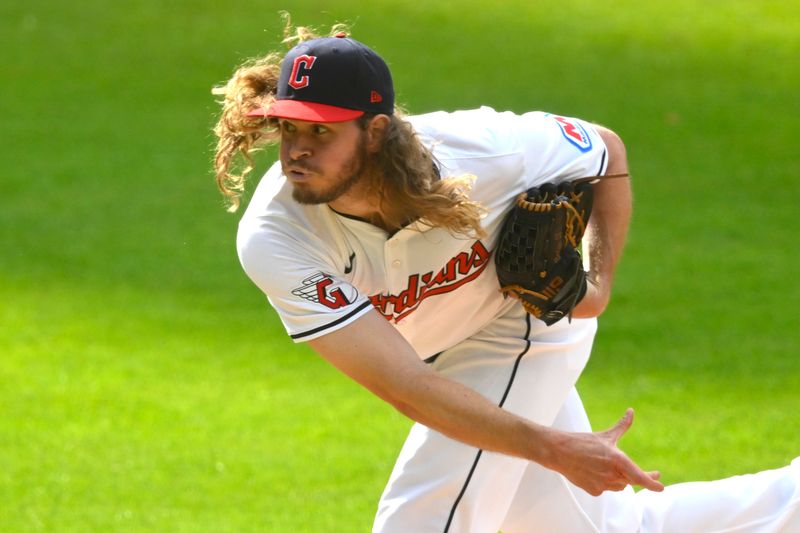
[559, 202]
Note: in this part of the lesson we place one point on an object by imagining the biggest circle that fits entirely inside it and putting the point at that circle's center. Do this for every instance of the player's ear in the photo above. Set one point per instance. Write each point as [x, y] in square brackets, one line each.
[376, 131]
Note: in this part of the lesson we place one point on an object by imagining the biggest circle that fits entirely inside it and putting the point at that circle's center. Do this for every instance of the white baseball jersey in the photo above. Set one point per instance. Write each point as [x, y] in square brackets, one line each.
[322, 270]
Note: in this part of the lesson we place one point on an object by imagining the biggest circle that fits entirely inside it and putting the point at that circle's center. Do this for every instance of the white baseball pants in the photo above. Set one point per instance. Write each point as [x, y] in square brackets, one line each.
[443, 486]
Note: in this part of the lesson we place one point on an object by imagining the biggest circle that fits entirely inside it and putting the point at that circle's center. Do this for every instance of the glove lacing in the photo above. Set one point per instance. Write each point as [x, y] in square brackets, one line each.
[573, 218]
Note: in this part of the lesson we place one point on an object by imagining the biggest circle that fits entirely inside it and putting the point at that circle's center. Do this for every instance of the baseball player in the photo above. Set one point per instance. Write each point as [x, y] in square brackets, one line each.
[372, 237]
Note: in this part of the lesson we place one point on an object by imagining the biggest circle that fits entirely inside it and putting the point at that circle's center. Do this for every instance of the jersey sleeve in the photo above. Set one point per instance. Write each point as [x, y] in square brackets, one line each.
[300, 278]
[552, 148]
[557, 148]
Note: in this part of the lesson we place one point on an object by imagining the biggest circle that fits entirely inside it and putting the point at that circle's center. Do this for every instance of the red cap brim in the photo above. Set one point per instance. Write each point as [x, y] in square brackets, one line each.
[306, 111]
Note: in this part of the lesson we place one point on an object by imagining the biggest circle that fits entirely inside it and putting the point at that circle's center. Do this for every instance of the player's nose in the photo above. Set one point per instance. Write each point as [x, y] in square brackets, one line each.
[298, 149]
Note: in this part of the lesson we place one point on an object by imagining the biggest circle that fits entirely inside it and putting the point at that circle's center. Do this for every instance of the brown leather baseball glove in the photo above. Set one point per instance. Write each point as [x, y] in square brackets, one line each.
[538, 257]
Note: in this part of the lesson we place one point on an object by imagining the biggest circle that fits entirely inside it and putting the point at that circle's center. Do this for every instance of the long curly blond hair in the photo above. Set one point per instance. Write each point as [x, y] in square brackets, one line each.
[404, 173]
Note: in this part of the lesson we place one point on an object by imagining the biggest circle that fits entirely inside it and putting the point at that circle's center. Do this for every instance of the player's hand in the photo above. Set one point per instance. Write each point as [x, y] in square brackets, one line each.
[593, 462]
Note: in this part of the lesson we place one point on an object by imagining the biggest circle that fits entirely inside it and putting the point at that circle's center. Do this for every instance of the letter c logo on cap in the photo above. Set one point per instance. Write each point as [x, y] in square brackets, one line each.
[295, 79]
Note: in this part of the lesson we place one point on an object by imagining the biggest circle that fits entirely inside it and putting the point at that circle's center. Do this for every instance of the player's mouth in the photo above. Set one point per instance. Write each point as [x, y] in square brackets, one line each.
[296, 175]
[297, 172]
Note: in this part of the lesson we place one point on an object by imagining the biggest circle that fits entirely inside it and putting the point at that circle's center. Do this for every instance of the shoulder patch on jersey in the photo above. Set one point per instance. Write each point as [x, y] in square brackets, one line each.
[322, 289]
[574, 132]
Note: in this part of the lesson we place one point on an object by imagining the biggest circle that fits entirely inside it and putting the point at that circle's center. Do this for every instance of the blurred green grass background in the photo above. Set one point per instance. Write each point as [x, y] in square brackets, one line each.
[146, 386]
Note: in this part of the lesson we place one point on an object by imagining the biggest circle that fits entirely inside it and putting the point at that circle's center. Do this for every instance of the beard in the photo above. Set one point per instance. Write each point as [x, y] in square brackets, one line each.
[350, 174]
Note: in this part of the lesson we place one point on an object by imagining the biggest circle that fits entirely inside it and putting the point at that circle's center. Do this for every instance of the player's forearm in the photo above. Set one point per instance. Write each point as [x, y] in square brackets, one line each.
[464, 415]
[608, 228]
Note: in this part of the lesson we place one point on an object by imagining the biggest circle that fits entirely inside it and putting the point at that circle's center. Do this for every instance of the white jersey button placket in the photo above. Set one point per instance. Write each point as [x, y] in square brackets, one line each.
[393, 265]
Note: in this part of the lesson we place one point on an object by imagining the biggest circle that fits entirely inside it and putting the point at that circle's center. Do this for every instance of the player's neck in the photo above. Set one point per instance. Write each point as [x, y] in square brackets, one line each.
[361, 203]
[368, 212]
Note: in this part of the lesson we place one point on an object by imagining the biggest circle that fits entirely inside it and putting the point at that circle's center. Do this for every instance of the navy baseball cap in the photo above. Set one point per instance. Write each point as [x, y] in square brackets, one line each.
[331, 79]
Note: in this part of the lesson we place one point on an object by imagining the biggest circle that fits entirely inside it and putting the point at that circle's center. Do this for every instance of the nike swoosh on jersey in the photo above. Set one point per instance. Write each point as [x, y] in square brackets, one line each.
[349, 268]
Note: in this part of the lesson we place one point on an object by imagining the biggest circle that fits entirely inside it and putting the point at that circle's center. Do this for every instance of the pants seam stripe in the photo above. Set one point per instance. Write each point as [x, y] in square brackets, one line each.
[502, 401]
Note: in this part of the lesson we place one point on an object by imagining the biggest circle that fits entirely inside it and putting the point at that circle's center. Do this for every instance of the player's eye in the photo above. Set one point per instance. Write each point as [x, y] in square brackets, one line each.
[319, 129]
[287, 127]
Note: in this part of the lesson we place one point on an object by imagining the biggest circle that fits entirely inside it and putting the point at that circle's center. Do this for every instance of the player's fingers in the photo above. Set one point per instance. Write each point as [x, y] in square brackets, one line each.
[652, 484]
[616, 487]
[623, 425]
[637, 476]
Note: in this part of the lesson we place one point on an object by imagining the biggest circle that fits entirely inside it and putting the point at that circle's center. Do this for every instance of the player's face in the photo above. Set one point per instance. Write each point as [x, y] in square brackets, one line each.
[323, 161]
